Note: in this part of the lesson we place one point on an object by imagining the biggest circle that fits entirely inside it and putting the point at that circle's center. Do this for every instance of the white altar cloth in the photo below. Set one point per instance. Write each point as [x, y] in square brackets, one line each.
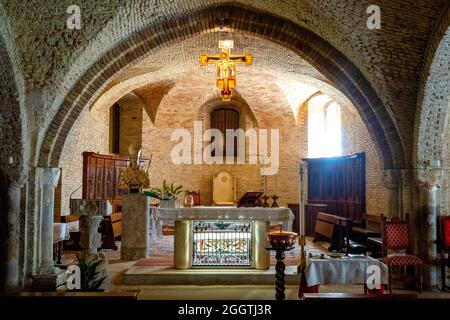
[282, 214]
[225, 213]
[342, 271]
[60, 232]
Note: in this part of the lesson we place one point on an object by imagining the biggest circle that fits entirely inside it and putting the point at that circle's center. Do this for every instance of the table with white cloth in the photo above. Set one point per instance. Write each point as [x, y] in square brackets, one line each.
[60, 233]
[341, 270]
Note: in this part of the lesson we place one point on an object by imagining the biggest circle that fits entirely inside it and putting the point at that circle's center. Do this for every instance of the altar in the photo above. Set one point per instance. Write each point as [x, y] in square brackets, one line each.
[223, 237]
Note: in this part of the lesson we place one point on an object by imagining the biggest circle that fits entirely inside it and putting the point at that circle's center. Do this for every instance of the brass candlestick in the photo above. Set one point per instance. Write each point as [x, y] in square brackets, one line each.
[274, 203]
[265, 198]
[280, 242]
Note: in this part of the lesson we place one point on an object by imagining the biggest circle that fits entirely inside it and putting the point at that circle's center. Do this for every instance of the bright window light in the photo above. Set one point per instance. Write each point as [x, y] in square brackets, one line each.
[324, 128]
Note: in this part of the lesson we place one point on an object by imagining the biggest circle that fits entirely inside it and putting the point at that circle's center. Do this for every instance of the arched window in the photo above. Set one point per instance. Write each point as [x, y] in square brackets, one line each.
[223, 119]
[114, 116]
[324, 128]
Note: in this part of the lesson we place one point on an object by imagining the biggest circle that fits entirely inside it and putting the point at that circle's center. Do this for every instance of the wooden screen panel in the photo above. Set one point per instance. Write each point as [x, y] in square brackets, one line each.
[109, 179]
[339, 183]
[101, 174]
[100, 179]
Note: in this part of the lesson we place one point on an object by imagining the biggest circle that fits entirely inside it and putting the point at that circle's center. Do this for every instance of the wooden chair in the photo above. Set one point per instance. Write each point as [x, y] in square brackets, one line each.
[395, 235]
[444, 246]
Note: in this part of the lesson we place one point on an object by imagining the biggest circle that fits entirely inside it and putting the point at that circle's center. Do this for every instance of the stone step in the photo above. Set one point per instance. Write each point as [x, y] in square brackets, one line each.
[162, 275]
[61, 277]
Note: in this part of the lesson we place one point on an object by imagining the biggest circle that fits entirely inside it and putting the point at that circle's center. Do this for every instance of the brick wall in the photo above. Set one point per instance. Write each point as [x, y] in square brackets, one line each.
[137, 126]
[90, 134]
[356, 138]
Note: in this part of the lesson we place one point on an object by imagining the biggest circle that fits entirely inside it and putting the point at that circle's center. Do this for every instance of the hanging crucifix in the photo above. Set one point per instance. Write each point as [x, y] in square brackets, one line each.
[226, 67]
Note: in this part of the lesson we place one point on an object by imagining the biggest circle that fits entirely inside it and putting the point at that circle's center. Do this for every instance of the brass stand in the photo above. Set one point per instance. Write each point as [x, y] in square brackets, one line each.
[279, 269]
[274, 203]
[302, 257]
[301, 263]
[265, 204]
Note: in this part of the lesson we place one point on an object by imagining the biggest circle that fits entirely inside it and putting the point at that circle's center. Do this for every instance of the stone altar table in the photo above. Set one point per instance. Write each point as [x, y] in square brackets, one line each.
[223, 236]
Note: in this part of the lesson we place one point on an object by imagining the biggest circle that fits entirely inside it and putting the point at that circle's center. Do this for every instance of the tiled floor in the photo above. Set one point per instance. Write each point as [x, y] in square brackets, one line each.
[163, 248]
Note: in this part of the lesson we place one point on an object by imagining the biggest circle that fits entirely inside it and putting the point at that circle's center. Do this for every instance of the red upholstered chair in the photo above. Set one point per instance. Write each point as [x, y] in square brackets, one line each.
[444, 244]
[395, 235]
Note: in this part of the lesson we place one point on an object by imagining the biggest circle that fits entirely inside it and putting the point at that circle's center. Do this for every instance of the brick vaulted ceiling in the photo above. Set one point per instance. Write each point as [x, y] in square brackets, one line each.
[50, 57]
[177, 65]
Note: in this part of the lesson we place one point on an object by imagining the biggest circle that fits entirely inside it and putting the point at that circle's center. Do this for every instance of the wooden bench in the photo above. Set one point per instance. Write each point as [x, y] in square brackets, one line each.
[333, 229]
[368, 231]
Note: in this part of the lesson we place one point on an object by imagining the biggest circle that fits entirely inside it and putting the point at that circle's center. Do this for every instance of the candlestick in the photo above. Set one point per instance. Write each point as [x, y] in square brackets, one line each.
[265, 184]
[301, 239]
[302, 205]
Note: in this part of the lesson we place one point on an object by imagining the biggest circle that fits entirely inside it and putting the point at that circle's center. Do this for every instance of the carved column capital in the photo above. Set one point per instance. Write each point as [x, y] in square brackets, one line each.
[18, 182]
[392, 178]
[15, 177]
[429, 177]
[49, 177]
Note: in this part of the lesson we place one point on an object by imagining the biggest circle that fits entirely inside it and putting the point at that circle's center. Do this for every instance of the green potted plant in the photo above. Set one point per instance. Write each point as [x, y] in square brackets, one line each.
[89, 282]
[167, 194]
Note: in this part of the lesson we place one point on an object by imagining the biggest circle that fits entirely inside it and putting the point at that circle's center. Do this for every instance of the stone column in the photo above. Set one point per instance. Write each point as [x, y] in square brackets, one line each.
[135, 226]
[261, 256]
[91, 213]
[48, 179]
[391, 180]
[429, 183]
[10, 206]
[46, 277]
[183, 244]
[90, 238]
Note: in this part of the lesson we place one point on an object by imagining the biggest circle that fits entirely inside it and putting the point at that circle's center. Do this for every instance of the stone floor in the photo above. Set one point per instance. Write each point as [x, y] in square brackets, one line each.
[162, 249]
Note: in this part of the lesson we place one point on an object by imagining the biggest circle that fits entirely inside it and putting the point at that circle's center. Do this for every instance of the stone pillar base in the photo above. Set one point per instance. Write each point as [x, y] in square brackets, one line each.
[44, 283]
[135, 226]
[134, 253]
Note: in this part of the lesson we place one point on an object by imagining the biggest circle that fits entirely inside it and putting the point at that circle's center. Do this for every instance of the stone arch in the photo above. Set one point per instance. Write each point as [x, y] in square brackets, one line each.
[237, 103]
[433, 104]
[12, 122]
[304, 107]
[328, 60]
[13, 171]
